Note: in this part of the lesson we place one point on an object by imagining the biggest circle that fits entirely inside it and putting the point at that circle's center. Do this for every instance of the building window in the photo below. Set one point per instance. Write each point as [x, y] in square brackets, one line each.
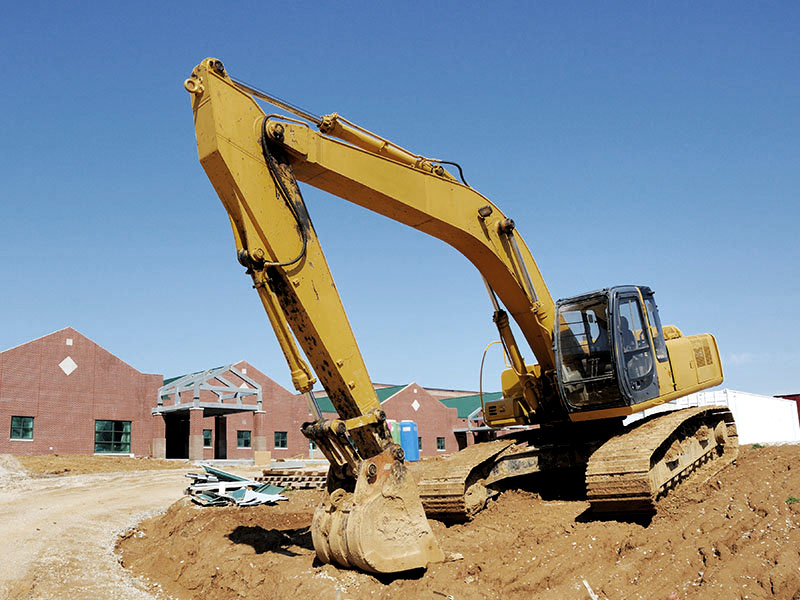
[112, 436]
[440, 443]
[419, 443]
[242, 439]
[21, 428]
[206, 438]
[280, 439]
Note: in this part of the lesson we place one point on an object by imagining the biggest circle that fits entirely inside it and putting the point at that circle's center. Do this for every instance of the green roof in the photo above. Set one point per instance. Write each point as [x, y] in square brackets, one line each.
[325, 404]
[384, 393]
[466, 405]
[387, 392]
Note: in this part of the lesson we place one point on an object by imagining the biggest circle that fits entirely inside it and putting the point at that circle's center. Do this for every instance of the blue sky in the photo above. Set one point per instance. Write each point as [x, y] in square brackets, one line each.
[645, 143]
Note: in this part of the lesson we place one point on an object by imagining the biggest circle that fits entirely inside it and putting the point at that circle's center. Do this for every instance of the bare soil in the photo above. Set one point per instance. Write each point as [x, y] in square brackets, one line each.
[59, 532]
[736, 535]
[61, 517]
[65, 464]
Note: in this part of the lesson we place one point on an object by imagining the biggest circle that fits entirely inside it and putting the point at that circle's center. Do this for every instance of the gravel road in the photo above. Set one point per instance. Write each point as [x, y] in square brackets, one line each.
[59, 532]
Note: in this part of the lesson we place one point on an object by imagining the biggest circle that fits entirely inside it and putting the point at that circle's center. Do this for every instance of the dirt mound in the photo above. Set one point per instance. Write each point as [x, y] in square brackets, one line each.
[66, 464]
[735, 536]
[219, 552]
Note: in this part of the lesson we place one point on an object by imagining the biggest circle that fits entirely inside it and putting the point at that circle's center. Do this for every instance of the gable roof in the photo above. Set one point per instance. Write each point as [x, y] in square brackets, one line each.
[466, 405]
[69, 330]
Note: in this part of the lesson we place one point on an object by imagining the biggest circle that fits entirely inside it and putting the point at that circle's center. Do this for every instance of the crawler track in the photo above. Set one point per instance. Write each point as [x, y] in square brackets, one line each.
[626, 470]
[456, 487]
[452, 488]
[631, 471]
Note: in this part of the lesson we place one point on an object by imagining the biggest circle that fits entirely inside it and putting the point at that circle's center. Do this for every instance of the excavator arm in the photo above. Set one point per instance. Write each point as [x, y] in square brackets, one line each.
[254, 162]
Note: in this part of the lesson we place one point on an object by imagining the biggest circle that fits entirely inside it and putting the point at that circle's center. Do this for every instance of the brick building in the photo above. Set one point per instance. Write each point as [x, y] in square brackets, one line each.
[63, 393]
[441, 426]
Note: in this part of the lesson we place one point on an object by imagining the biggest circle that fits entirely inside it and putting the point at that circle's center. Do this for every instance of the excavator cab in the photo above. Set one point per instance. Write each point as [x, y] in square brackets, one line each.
[607, 346]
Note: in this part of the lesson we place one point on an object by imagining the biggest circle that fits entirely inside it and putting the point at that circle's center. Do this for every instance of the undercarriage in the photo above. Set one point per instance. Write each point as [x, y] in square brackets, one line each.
[627, 469]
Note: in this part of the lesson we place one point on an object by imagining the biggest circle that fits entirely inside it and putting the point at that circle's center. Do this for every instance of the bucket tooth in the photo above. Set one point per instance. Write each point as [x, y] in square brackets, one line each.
[380, 526]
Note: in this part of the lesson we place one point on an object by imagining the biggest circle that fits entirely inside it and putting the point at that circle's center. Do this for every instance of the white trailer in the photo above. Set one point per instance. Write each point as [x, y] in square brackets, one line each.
[759, 419]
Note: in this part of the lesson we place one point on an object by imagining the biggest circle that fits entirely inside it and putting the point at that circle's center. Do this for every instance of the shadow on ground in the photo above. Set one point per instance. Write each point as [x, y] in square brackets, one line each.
[272, 540]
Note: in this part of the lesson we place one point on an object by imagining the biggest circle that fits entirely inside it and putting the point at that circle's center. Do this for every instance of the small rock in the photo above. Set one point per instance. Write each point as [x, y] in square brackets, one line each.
[453, 556]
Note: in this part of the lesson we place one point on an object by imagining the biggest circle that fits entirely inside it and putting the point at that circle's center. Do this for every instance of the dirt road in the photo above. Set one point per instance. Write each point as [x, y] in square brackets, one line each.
[59, 532]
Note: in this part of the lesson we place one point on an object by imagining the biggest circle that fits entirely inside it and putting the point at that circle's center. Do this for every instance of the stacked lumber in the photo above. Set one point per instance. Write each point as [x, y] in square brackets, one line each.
[295, 478]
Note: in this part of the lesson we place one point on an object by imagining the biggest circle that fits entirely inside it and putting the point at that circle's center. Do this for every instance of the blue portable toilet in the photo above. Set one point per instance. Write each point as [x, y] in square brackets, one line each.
[409, 440]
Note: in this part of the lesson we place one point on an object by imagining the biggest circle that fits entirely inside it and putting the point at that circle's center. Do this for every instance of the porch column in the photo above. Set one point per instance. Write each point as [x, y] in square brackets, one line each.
[158, 449]
[196, 434]
[261, 456]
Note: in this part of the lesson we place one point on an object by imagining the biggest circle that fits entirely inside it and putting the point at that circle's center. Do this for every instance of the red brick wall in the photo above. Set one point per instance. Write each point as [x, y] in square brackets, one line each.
[65, 407]
[433, 418]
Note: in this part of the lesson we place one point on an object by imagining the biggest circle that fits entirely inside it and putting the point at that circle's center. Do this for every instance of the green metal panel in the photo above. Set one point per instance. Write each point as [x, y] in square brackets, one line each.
[223, 475]
[396, 432]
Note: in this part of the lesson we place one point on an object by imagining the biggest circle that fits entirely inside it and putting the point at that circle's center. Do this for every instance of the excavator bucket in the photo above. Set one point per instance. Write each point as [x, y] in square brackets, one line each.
[380, 526]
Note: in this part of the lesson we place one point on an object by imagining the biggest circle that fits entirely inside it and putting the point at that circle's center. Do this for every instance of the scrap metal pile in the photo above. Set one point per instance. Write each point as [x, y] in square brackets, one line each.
[220, 488]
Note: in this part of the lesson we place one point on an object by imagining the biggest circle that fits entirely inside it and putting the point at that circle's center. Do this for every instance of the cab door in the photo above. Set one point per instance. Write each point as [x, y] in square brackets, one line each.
[633, 348]
[666, 381]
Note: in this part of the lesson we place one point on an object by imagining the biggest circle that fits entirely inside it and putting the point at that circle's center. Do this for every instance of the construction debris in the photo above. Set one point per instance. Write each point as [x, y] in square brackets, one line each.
[220, 488]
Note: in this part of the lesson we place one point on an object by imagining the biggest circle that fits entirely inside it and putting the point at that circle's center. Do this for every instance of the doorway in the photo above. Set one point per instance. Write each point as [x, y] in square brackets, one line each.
[177, 434]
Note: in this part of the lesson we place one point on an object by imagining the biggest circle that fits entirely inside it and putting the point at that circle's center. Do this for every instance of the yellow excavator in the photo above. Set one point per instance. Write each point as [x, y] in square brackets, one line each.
[600, 356]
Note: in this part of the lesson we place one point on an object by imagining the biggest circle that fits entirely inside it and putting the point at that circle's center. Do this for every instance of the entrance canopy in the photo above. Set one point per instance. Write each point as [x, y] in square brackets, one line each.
[213, 390]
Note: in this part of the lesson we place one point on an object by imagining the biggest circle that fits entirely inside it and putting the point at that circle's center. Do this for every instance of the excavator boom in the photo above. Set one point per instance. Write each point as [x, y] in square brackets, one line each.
[371, 517]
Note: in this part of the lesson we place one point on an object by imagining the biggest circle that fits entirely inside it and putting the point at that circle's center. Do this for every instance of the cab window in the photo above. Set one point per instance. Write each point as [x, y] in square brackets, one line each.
[586, 371]
[633, 339]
